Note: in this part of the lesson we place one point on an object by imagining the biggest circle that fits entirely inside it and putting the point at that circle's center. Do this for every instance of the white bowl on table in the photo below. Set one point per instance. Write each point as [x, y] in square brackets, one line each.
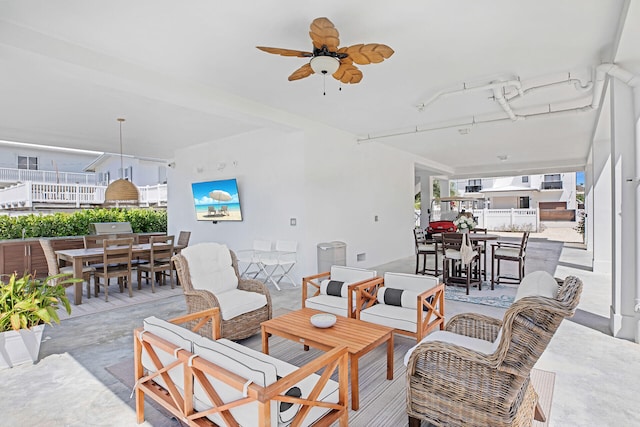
[323, 320]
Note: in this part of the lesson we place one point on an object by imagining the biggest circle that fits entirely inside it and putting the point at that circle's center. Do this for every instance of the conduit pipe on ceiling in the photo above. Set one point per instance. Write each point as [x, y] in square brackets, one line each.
[499, 97]
[491, 86]
[519, 117]
[621, 74]
[577, 83]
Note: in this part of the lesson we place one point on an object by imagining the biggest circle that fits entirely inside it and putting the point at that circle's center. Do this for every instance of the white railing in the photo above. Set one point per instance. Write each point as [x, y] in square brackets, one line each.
[23, 175]
[509, 219]
[500, 219]
[26, 194]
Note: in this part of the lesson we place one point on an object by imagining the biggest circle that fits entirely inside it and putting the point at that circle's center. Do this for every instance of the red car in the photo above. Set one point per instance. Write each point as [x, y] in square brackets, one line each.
[441, 227]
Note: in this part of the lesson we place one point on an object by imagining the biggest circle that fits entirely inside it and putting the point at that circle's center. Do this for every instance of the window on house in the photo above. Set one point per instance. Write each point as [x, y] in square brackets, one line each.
[523, 202]
[126, 173]
[103, 178]
[473, 186]
[525, 179]
[25, 162]
[552, 182]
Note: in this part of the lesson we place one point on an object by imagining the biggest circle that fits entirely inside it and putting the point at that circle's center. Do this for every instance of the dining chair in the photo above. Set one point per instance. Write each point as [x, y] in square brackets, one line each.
[483, 250]
[116, 262]
[159, 264]
[55, 269]
[508, 251]
[425, 247]
[455, 270]
[183, 241]
[93, 241]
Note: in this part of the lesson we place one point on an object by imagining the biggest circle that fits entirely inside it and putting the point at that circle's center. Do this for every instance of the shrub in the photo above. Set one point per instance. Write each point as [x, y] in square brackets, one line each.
[77, 223]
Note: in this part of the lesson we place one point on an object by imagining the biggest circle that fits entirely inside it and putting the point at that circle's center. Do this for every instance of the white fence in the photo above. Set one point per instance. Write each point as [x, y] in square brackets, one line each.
[10, 175]
[501, 219]
[26, 194]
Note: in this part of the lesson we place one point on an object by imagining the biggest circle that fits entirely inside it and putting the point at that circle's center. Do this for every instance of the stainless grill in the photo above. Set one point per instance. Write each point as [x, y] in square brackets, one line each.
[110, 227]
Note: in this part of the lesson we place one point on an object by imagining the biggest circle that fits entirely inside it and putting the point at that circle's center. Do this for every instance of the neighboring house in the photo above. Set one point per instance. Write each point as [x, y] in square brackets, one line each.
[554, 194]
[49, 178]
[141, 172]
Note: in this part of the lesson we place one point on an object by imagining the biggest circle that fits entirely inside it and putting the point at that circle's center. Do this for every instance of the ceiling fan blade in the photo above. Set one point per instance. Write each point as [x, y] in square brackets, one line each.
[369, 53]
[301, 73]
[348, 73]
[323, 32]
[285, 52]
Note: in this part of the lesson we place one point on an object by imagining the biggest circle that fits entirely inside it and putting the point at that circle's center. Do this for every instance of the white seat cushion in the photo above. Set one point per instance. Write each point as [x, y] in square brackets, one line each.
[537, 283]
[210, 267]
[329, 304]
[236, 302]
[474, 344]
[391, 316]
[508, 252]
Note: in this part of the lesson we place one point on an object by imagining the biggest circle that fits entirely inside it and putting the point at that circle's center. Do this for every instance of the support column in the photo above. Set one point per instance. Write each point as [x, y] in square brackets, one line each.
[426, 194]
[624, 320]
[598, 200]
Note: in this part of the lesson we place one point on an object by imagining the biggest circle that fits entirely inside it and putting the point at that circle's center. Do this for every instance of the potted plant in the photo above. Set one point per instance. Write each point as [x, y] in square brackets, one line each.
[26, 305]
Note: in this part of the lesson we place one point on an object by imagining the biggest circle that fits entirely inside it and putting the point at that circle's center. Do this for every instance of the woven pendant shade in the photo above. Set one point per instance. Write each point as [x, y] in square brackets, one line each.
[121, 192]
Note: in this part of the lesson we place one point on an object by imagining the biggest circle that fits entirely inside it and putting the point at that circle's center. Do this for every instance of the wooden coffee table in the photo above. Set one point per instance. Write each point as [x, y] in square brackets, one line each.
[359, 337]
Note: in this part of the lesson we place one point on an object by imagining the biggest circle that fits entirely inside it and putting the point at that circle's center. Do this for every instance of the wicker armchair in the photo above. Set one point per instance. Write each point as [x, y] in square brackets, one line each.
[238, 327]
[477, 371]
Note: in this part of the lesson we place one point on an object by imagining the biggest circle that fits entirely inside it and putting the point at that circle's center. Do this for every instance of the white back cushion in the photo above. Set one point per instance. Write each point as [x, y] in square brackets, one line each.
[210, 267]
[351, 274]
[412, 282]
[175, 334]
[537, 283]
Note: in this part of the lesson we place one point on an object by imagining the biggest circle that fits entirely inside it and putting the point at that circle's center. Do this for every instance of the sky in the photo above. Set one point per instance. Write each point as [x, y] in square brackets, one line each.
[580, 178]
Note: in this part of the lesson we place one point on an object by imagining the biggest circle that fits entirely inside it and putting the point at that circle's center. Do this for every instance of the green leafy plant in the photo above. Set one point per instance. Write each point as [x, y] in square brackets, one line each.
[26, 302]
[77, 223]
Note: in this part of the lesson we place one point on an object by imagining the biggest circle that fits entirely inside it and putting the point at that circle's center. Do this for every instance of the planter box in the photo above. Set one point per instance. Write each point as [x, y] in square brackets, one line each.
[19, 347]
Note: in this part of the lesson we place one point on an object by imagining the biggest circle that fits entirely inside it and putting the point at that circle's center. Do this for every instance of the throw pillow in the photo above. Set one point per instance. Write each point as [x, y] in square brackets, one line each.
[334, 288]
[399, 297]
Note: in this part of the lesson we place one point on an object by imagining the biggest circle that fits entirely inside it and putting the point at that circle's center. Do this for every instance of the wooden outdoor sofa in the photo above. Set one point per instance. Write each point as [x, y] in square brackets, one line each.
[207, 382]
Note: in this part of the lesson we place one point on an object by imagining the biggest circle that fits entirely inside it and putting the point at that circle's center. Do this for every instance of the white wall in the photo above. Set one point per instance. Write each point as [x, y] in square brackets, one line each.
[331, 184]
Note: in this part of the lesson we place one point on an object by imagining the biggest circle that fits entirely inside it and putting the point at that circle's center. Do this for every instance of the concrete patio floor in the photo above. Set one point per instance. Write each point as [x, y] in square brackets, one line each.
[596, 379]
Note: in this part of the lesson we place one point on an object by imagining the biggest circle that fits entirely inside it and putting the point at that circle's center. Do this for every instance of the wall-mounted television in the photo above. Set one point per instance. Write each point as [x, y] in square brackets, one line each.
[217, 200]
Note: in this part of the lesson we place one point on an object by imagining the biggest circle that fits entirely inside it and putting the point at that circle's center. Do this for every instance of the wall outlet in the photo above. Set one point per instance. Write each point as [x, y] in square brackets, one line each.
[375, 218]
[361, 257]
[293, 222]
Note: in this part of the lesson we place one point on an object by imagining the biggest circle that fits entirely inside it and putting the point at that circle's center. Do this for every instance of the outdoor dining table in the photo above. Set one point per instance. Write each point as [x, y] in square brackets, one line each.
[475, 239]
[78, 257]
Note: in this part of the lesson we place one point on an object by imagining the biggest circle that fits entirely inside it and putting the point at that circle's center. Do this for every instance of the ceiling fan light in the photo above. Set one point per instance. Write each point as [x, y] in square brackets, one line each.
[324, 64]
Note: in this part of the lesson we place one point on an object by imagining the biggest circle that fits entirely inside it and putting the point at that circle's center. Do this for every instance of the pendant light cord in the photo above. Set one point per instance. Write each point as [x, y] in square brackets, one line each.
[121, 161]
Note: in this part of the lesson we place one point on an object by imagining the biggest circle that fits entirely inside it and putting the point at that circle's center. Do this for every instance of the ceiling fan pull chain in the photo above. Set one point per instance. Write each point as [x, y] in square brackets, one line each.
[324, 84]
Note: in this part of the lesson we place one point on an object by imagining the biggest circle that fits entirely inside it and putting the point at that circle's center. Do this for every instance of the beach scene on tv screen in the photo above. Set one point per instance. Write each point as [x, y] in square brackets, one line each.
[217, 200]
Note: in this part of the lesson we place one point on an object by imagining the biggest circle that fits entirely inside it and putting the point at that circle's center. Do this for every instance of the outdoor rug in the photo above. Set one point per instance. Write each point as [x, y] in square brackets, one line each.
[382, 401]
[501, 296]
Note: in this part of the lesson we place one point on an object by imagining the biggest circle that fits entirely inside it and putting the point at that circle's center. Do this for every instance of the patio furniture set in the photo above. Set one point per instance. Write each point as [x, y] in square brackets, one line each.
[464, 257]
[105, 257]
[473, 372]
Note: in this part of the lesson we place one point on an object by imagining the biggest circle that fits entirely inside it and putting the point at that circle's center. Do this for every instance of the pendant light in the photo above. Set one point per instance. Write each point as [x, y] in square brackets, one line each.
[121, 191]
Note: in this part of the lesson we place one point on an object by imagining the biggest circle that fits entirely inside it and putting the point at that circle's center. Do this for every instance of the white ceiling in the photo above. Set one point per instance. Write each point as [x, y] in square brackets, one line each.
[184, 73]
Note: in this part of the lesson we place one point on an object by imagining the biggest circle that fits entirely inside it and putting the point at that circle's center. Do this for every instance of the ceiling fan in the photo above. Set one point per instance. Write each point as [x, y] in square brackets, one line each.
[328, 58]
